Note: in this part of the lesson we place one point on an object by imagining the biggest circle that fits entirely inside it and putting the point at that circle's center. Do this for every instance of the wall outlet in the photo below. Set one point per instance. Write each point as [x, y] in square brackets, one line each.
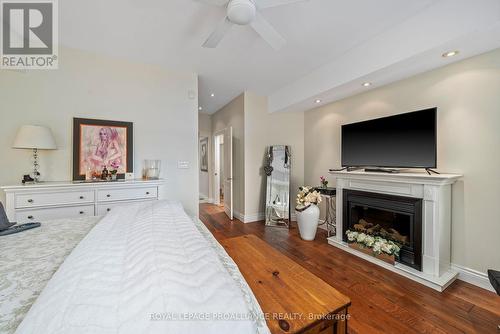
[183, 164]
[129, 176]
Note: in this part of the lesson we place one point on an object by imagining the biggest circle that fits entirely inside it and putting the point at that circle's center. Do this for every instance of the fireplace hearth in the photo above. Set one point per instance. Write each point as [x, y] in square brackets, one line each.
[394, 218]
[428, 244]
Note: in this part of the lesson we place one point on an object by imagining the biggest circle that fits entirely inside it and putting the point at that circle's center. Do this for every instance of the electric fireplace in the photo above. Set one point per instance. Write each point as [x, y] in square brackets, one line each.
[394, 218]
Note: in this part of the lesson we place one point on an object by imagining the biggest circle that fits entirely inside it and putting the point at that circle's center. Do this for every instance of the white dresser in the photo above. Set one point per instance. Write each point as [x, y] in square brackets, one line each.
[53, 200]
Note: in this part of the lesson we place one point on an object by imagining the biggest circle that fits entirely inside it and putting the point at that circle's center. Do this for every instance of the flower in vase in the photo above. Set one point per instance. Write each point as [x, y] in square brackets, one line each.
[307, 196]
[324, 182]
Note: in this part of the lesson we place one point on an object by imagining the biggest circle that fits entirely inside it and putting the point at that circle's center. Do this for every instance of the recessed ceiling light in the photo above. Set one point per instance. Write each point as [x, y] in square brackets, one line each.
[317, 101]
[200, 108]
[367, 84]
[450, 54]
[212, 95]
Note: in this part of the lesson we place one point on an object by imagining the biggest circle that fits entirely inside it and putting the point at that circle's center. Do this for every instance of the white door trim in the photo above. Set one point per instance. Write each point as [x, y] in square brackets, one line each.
[216, 173]
[228, 172]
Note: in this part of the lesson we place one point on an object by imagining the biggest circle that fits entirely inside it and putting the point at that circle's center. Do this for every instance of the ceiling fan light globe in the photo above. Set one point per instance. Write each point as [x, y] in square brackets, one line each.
[241, 12]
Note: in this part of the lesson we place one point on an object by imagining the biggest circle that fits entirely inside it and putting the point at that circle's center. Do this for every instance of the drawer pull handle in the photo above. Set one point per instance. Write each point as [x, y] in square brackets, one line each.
[108, 209]
[82, 212]
[31, 217]
[30, 201]
[147, 192]
[81, 197]
[108, 195]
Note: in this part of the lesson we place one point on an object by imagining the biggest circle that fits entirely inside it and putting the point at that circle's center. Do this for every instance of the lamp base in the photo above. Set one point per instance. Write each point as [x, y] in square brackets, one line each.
[36, 178]
[36, 174]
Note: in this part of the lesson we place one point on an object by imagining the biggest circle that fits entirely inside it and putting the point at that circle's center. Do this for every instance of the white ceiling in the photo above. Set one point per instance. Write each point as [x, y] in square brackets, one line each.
[333, 45]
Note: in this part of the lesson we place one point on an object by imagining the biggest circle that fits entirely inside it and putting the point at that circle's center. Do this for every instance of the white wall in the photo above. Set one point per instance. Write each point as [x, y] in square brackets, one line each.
[468, 97]
[233, 115]
[91, 86]
[263, 129]
[205, 131]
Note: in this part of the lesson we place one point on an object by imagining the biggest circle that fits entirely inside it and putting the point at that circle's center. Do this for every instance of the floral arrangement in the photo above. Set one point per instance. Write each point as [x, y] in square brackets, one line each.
[377, 244]
[324, 181]
[306, 197]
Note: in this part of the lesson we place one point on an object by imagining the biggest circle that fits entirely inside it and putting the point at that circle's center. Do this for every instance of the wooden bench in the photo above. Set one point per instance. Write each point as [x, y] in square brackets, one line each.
[293, 299]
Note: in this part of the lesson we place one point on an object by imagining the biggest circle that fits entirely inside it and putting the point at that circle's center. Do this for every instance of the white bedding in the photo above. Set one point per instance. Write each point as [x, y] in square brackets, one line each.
[29, 259]
[146, 268]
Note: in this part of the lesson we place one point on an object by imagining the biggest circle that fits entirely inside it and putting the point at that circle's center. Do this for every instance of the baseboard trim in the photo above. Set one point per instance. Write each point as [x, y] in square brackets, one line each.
[255, 217]
[206, 200]
[473, 277]
[239, 216]
[252, 218]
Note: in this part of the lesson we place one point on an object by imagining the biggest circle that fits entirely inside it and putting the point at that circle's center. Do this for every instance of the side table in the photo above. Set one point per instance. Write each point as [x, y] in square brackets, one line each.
[330, 197]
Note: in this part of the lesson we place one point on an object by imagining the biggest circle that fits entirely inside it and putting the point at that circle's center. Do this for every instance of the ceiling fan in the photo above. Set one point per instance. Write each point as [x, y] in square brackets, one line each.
[247, 12]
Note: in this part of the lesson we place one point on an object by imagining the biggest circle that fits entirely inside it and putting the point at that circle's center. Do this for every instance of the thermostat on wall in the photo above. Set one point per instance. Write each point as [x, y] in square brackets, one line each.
[183, 164]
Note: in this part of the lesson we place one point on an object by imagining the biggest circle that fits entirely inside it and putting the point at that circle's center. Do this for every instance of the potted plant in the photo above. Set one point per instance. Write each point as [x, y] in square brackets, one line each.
[385, 250]
[114, 171]
[324, 182]
[307, 212]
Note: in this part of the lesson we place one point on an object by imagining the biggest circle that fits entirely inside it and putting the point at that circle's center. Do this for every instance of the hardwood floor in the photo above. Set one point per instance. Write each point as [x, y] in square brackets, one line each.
[382, 301]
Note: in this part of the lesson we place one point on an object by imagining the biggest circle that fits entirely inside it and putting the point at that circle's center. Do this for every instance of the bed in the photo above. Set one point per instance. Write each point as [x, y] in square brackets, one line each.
[145, 268]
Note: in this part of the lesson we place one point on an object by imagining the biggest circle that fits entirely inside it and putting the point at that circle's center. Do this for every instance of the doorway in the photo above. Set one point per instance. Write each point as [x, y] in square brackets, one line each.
[223, 170]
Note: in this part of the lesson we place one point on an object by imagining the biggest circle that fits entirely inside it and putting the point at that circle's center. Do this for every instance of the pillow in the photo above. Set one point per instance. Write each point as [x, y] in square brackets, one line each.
[4, 221]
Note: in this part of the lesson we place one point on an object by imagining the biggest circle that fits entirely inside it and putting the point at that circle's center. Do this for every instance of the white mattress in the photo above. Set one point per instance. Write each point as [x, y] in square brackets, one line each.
[146, 268]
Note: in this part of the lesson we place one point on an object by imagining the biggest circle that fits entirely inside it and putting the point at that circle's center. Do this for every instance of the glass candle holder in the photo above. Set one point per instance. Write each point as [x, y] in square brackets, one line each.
[151, 169]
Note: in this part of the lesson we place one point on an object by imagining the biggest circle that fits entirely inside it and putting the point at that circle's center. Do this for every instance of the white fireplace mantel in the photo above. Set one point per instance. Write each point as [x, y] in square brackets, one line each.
[435, 191]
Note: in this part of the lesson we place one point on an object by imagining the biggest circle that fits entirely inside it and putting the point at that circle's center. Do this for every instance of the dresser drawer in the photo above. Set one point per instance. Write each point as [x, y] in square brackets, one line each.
[104, 208]
[127, 194]
[40, 215]
[54, 198]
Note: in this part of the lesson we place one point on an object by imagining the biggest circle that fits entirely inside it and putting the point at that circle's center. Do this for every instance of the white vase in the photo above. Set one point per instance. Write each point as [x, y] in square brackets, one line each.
[308, 221]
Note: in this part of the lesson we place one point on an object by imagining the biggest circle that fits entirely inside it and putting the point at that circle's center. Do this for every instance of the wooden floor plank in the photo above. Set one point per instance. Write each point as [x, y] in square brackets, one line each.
[382, 301]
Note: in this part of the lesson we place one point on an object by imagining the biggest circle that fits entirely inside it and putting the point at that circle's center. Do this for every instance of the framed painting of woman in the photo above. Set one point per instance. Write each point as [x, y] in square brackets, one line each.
[100, 143]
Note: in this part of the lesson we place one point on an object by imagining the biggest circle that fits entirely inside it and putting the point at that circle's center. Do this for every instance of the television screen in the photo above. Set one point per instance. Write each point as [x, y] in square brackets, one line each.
[401, 141]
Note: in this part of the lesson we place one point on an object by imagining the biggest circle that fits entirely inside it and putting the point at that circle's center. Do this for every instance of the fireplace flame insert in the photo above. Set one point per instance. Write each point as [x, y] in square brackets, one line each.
[394, 218]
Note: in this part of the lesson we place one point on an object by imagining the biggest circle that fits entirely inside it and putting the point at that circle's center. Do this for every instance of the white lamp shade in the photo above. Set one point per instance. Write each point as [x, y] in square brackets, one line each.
[34, 136]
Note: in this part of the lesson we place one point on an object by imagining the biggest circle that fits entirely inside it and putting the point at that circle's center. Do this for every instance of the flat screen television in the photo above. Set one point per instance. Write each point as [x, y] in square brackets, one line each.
[402, 141]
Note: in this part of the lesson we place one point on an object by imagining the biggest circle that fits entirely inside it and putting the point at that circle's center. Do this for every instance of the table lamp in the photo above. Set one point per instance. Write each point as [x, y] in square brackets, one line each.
[36, 138]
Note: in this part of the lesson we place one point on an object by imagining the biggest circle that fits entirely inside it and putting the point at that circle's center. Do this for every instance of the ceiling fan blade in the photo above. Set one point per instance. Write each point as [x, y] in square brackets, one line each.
[262, 4]
[267, 32]
[220, 31]
[219, 3]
